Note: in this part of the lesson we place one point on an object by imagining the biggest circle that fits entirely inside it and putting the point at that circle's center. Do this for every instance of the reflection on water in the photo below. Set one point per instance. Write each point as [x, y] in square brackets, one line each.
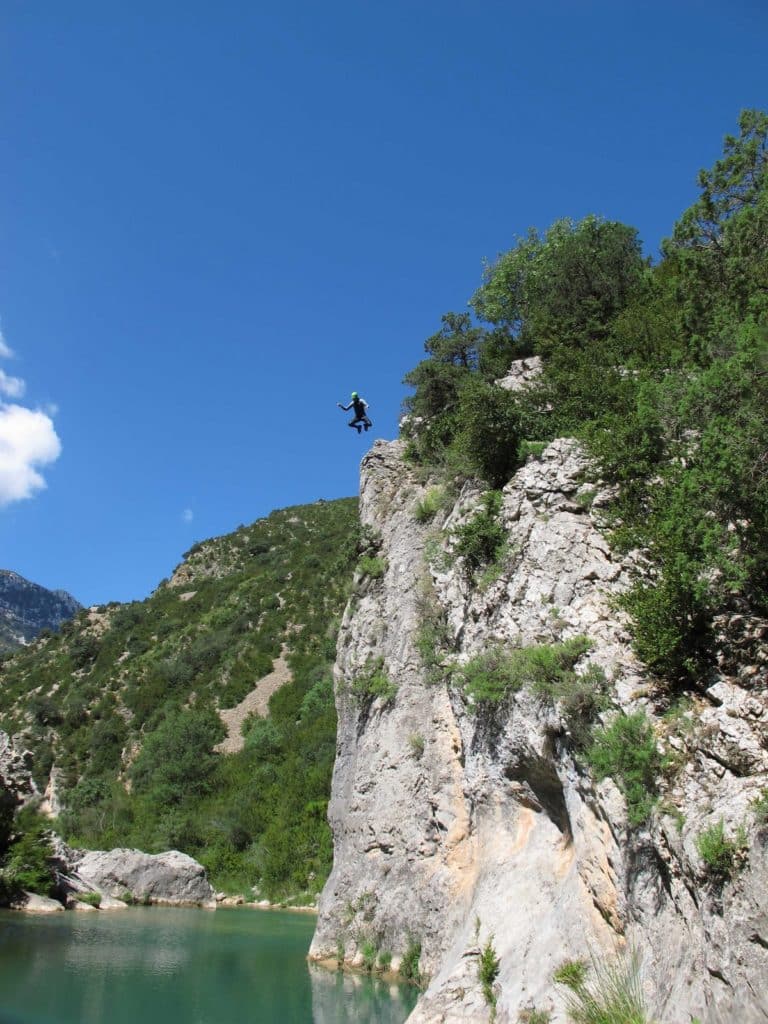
[173, 966]
[339, 997]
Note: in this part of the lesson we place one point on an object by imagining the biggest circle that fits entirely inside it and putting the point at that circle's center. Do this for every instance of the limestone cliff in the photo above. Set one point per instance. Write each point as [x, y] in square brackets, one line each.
[451, 826]
[27, 608]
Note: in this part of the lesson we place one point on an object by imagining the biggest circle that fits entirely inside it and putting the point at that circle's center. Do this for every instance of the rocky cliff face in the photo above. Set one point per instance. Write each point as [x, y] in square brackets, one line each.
[17, 787]
[451, 826]
[26, 609]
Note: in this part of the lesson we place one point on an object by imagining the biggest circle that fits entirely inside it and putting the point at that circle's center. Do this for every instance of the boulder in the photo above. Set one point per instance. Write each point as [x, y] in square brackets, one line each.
[80, 906]
[170, 878]
[31, 903]
[110, 903]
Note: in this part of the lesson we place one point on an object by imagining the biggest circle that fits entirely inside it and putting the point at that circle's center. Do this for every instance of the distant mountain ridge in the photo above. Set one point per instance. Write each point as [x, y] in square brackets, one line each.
[27, 608]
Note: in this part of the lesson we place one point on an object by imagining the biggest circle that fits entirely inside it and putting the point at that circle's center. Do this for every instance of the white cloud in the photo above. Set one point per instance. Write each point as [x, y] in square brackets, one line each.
[187, 515]
[12, 387]
[28, 441]
[5, 351]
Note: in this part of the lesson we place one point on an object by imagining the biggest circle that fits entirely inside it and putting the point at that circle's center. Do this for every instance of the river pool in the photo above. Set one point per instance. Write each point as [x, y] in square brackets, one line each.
[151, 965]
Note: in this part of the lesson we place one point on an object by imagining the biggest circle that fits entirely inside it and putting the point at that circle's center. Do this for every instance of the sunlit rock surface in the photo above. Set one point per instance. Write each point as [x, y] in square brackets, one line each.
[452, 827]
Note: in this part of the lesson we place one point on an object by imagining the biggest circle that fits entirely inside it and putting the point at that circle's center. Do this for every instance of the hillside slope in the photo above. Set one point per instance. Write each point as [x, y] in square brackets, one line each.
[123, 709]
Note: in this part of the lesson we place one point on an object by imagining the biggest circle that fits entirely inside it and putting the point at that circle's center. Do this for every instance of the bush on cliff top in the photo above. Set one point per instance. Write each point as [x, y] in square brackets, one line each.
[662, 371]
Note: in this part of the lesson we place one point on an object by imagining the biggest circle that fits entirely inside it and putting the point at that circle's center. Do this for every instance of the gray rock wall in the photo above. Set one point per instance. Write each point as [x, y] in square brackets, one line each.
[450, 828]
[17, 787]
[168, 878]
[27, 608]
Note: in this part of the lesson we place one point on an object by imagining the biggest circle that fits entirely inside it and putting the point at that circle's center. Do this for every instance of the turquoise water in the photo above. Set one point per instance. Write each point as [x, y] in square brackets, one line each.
[150, 965]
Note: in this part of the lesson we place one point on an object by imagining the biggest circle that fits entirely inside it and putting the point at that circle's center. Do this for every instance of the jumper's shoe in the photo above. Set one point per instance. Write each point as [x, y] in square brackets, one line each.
[359, 429]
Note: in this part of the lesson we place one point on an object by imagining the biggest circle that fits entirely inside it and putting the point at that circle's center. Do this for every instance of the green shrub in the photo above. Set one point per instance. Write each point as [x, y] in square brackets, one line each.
[528, 448]
[720, 854]
[370, 954]
[491, 430]
[384, 961]
[416, 744]
[374, 684]
[549, 666]
[760, 808]
[93, 899]
[27, 866]
[626, 751]
[177, 759]
[491, 676]
[374, 568]
[480, 540]
[572, 974]
[428, 506]
[668, 625]
[613, 994]
[581, 699]
[409, 964]
[495, 569]
[432, 633]
[488, 966]
[546, 668]
[534, 1017]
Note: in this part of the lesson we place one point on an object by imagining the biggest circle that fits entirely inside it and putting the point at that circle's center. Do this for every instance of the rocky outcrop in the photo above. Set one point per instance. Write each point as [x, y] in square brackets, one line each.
[27, 608]
[522, 374]
[17, 787]
[31, 903]
[452, 827]
[169, 878]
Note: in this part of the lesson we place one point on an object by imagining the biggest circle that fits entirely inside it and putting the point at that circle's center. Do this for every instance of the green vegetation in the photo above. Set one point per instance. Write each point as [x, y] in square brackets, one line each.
[612, 995]
[428, 506]
[24, 862]
[489, 677]
[626, 751]
[534, 1017]
[374, 568]
[416, 744]
[374, 684]
[530, 448]
[572, 974]
[480, 540]
[660, 370]
[409, 964]
[93, 899]
[488, 966]
[384, 962]
[370, 955]
[548, 669]
[432, 633]
[132, 693]
[721, 855]
[760, 808]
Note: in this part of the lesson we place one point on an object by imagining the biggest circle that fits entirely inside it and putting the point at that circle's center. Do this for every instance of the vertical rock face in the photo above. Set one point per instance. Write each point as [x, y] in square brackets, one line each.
[17, 787]
[27, 608]
[451, 827]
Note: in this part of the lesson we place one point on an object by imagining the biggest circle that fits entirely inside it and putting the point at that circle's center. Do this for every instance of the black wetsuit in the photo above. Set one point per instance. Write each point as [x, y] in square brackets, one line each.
[360, 414]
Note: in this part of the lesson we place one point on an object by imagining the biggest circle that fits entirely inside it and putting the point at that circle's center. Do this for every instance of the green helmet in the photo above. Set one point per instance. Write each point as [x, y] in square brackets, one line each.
[354, 394]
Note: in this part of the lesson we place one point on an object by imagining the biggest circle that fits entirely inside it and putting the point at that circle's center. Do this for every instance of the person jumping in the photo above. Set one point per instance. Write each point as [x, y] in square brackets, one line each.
[361, 415]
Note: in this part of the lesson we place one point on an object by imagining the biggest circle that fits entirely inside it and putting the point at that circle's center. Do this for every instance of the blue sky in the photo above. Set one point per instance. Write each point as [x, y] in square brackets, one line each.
[216, 220]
